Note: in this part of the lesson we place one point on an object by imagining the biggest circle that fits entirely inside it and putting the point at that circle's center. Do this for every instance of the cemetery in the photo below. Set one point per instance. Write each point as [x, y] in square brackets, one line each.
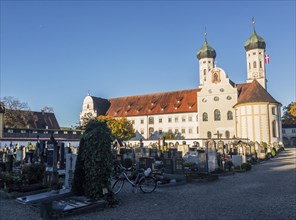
[41, 175]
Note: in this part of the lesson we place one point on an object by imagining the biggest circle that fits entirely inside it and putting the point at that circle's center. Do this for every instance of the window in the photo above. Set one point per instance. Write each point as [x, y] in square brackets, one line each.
[197, 118]
[10, 131]
[205, 116]
[197, 130]
[209, 134]
[274, 129]
[142, 121]
[151, 120]
[249, 66]
[190, 131]
[183, 131]
[45, 132]
[227, 134]
[176, 131]
[133, 122]
[273, 110]
[176, 119]
[183, 119]
[260, 64]
[142, 132]
[293, 130]
[151, 130]
[229, 115]
[65, 132]
[216, 98]
[35, 132]
[160, 120]
[254, 64]
[190, 118]
[56, 132]
[87, 106]
[170, 130]
[284, 131]
[217, 115]
[170, 120]
[74, 132]
[23, 131]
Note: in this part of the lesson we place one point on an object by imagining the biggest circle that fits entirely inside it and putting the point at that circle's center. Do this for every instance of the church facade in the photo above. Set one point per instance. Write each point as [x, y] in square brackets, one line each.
[217, 106]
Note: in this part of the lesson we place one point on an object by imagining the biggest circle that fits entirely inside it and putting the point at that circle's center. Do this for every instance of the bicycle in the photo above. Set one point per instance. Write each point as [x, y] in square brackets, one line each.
[143, 179]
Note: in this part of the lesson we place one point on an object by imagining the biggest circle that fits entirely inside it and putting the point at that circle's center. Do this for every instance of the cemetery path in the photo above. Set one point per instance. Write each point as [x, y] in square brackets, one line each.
[266, 192]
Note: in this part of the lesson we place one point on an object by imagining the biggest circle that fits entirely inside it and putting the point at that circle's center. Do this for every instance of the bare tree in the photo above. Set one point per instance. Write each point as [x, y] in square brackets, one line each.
[47, 109]
[17, 114]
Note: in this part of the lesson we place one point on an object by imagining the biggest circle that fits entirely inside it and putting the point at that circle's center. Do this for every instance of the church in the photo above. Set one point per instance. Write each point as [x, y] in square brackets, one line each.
[216, 106]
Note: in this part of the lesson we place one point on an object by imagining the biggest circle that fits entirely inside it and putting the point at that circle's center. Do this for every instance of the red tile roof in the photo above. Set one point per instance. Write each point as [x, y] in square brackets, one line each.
[151, 104]
[253, 92]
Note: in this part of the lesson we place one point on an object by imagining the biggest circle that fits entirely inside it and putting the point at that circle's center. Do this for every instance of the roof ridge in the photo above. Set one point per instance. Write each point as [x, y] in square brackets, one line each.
[156, 93]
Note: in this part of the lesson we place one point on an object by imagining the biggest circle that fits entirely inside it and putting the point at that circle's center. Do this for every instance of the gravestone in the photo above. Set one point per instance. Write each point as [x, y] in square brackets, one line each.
[51, 174]
[172, 152]
[262, 153]
[220, 148]
[211, 155]
[70, 168]
[237, 160]
[146, 162]
[19, 155]
[153, 153]
[178, 166]
[168, 165]
[183, 148]
[165, 154]
[202, 162]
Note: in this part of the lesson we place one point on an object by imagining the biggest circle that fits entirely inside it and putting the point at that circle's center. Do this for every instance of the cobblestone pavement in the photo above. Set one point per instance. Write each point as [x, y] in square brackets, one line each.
[266, 192]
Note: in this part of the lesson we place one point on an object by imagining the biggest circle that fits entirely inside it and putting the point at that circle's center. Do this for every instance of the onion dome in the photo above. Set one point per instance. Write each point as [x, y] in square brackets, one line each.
[206, 51]
[255, 41]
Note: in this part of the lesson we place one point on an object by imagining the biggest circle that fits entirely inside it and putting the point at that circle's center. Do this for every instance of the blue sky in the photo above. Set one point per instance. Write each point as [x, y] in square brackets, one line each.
[54, 52]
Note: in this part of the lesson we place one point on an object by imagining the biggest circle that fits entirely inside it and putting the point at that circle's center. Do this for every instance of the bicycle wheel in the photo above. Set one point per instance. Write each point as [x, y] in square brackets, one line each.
[147, 184]
[117, 186]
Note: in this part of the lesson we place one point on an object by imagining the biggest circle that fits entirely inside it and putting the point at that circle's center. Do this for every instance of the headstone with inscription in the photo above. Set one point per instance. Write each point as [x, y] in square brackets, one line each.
[168, 165]
[211, 155]
[70, 168]
[202, 162]
[178, 166]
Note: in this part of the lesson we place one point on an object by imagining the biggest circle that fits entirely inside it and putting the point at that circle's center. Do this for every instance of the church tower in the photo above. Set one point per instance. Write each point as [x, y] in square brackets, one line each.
[206, 56]
[255, 48]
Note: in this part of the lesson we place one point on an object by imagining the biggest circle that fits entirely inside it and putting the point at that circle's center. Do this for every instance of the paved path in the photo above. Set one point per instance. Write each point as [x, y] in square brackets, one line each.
[267, 192]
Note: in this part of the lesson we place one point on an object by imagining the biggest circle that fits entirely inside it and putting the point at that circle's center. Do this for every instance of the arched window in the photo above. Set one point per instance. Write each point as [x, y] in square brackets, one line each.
[260, 64]
[151, 120]
[209, 134]
[229, 115]
[254, 64]
[217, 115]
[87, 106]
[227, 134]
[249, 66]
[151, 130]
[205, 73]
[205, 116]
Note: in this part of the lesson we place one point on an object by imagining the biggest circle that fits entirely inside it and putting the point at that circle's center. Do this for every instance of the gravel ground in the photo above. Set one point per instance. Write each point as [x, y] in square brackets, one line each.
[267, 192]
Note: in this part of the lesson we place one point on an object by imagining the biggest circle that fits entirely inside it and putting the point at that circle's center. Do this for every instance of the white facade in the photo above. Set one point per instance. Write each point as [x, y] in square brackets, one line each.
[215, 105]
[221, 108]
[256, 66]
